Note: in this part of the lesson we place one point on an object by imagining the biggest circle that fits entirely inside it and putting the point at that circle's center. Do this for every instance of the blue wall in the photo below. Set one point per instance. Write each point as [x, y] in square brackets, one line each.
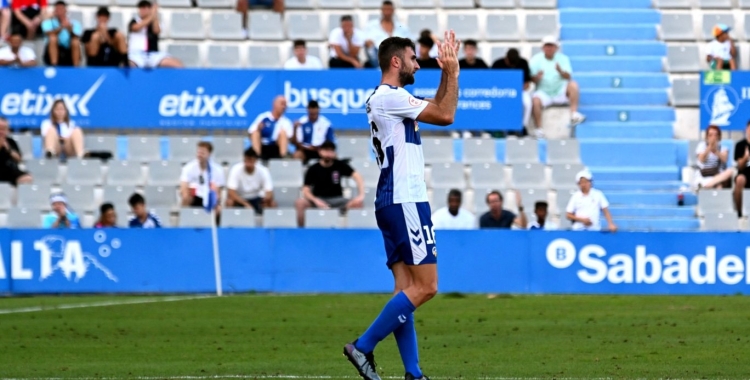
[281, 260]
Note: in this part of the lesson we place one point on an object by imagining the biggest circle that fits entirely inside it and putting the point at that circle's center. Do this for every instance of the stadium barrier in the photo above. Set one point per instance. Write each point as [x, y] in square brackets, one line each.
[312, 261]
[221, 99]
[724, 99]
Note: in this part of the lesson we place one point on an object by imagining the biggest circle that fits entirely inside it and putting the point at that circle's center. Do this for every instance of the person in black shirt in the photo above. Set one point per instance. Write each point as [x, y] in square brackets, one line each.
[742, 157]
[323, 184]
[10, 157]
[143, 40]
[470, 60]
[424, 60]
[105, 46]
[513, 61]
[497, 217]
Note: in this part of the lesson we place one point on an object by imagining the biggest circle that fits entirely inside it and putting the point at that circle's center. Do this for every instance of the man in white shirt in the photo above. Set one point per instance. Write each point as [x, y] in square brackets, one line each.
[249, 184]
[345, 42]
[200, 177]
[541, 222]
[379, 29]
[721, 51]
[453, 217]
[17, 55]
[271, 130]
[302, 61]
[585, 206]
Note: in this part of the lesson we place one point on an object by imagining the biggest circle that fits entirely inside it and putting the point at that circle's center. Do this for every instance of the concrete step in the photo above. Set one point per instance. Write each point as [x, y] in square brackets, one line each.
[607, 32]
[636, 212]
[641, 198]
[653, 224]
[622, 80]
[595, 64]
[605, 4]
[632, 153]
[629, 113]
[620, 96]
[639, 185]
[625, 130]
[609, 16]
[634, 173]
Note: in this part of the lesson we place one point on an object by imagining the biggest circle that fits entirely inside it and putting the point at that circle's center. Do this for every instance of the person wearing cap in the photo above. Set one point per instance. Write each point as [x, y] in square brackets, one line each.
[552, 73]
[721, 51]
[62, 38]
[60, 217]
[104, 46]
[587, 204]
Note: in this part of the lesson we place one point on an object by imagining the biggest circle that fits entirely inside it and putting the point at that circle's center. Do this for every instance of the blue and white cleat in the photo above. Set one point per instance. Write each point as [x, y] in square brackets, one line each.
[364, 363]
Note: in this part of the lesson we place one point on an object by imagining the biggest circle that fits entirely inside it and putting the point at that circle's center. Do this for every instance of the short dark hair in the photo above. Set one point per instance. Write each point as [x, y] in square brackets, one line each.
[540, 205]
[144, 4]
[136, 199]
[513, 55]
[250, 153]
[61, 2]
[390, 47]
[298, 43]
[470, 43]
[425, 33]
[207, 145]
[388, 2]
[102, 11]
[105, 207]
[313, 104]
[426, 41]
[454, 193]
[328, 144]
[499, 194]
[347, 18]
[16, 32]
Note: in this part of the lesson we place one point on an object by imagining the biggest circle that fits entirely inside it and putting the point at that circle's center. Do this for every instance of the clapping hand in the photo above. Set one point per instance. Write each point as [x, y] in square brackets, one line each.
[448, 53]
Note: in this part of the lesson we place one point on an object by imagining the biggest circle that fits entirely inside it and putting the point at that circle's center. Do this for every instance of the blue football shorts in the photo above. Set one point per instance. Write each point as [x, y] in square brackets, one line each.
[408, 233]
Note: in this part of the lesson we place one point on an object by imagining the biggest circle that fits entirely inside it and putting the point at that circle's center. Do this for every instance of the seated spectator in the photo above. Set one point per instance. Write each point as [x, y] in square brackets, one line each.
[586, 204]
[107, 216]
[453, 217]
[27, 17]
[541, 222]
[712, 160]
[345, 42]
[62, 39]
[424, 59]
[470, 60]
[742, 158]
[142, 218]
[61, 217]
[143, 40]
[201, 176]
[379, 29]
[60, 134]
[498, 217]
[322, 187]
[551, 71]
[17, 55]
[301, 60]
[104, 46]
[721, 51]
[271, 130]
[10, 157]
[249, 185]
[513, 61]
[244, 5]
[310, 132]
[4, 19]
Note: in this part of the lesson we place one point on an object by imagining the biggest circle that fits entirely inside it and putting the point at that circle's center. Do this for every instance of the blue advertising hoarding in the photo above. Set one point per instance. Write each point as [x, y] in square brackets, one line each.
[294, 261]
[724, 99]
[206, 99]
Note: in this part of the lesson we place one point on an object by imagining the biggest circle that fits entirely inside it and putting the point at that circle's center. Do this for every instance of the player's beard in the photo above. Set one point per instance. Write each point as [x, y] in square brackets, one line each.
[406, 77]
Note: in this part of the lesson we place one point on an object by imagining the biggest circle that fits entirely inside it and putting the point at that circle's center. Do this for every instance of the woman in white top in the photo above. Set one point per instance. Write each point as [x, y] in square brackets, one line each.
[712, 170]
[60, 134]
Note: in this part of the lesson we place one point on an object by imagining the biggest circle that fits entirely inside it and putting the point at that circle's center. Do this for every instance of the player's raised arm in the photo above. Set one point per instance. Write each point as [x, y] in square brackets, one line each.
[442, 109]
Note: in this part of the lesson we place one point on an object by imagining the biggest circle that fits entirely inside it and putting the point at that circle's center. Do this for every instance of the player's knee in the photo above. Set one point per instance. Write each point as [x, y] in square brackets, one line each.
[429, 290]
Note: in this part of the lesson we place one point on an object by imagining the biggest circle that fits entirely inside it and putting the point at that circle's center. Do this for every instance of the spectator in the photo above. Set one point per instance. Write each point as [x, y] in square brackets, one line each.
[62, 38]
[453, 217]
[302, 61]
[60, 134]
[244, 5]
[27, 17]
[143, 41]
[270, 131]
[249, 185]
[104, 46]
[551, 71]
[15, 54]
[61, 217]
[541, 222]
[323, 184]
[721, 50]
[585, 205]
[424, 59]
[345, 42]
[742, 158]
[142, 218]
[470, 60]
[200, 176]
[498, 217]
[4, 19]
[310, 132]
[712, 161]
[379, 29]
[10, 157]
[513, 61]
[107, 216]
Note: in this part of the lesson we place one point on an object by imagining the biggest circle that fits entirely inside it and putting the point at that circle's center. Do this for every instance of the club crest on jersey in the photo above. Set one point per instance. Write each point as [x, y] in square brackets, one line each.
[434, 251]
[414, 101]
[416, 126]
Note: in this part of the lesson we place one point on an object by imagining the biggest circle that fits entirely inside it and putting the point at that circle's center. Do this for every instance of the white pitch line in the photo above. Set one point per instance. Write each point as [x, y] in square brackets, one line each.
[100, 304]
[218, 377]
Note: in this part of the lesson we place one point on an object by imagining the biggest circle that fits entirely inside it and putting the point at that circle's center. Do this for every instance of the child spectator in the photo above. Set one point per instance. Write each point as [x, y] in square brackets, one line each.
[142, 218]
[107, 216]
[105, 46]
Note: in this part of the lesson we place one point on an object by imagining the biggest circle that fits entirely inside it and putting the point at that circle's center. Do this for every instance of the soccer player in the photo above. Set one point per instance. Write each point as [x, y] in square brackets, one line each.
[401, 207]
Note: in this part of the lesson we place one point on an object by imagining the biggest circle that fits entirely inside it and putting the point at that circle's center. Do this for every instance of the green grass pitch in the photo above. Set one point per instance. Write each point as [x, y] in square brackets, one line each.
[467, 337]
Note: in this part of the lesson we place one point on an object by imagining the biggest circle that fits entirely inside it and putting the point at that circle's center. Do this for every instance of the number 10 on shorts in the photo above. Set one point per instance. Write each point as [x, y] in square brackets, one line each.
[429, 234]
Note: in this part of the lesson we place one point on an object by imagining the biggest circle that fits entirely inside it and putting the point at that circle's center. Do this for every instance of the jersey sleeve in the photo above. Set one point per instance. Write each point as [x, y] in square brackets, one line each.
[346, 169]
[603, 201]
[403, 104]
[254, 125]
[47, 26]
[565, 65]
[310, 176]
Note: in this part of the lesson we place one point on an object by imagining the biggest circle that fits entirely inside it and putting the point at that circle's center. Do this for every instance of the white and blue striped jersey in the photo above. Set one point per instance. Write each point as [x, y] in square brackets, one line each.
[392, 113]
[314, 134]
[271, 127]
